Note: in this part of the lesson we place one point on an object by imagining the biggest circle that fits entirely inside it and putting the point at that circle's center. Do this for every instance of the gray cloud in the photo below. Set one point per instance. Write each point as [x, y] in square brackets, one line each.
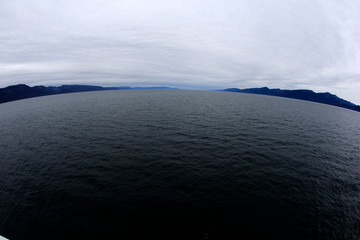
[192, 44]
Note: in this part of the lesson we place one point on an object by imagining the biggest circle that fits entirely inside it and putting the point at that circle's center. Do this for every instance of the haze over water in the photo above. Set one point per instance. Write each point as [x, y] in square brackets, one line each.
[174, 164]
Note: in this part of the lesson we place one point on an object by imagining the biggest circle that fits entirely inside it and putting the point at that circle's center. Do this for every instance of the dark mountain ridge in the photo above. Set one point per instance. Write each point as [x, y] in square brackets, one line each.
[307, 95]
[22, 91]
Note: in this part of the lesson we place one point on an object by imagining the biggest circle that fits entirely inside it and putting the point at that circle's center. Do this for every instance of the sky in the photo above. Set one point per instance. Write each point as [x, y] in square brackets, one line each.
[191, 44]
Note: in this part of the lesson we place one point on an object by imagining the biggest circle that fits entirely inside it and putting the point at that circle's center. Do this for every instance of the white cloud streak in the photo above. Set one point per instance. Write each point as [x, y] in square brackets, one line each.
[292, 44]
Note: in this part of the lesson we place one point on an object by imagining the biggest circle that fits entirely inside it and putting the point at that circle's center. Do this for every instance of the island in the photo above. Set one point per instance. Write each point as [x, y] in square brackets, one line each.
[307, 95]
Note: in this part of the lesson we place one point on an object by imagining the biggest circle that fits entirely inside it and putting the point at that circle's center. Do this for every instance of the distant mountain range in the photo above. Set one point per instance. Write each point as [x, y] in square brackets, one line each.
[308, 95]
[22, 91]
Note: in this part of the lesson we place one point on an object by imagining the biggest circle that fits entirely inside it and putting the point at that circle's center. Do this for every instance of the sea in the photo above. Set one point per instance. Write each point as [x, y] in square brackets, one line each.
[178, 164]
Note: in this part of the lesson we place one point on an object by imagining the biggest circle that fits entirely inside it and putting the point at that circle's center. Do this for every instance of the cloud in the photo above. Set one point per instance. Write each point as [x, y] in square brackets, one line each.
[192, 44]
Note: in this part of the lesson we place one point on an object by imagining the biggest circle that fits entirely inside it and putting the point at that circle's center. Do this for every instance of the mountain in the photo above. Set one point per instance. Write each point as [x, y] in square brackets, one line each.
[22, 91]
[308, 95]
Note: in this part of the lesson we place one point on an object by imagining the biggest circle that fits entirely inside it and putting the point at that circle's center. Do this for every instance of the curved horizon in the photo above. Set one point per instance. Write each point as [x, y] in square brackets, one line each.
[189, 44]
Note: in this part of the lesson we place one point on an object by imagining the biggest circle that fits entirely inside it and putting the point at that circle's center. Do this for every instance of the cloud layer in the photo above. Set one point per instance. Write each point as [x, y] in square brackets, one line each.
[196, 44]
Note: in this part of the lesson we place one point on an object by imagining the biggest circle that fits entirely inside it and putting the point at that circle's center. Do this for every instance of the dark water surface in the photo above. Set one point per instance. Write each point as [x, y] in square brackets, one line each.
[171, 164]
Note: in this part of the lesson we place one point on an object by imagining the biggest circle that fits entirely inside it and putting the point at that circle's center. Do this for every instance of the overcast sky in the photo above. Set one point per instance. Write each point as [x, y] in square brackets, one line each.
[194, 44]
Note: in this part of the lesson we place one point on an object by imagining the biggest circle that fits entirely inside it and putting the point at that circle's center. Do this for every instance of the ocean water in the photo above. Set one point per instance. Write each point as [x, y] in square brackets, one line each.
[176, 164]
